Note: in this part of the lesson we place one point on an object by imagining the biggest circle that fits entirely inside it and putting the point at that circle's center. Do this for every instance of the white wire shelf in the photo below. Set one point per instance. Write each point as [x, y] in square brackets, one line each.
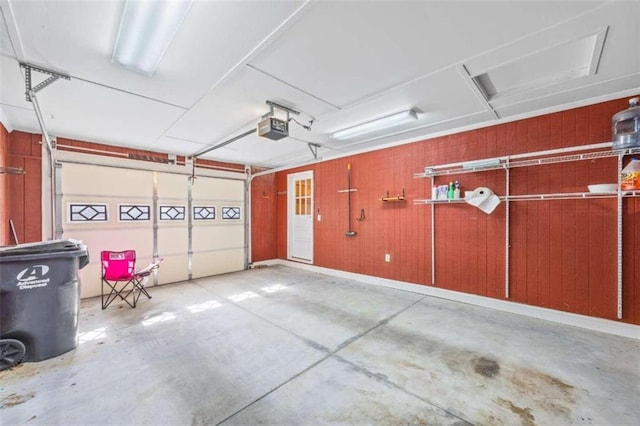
[522, 160]
[458, 170]
[554, 156]
[429, 201]
[541, 197]
[569, 196]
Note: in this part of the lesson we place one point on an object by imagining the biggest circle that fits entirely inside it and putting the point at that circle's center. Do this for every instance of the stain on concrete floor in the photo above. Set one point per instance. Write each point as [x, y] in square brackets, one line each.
[15, 399]
[534, 392]
[527, 419]
[498, 391]
[485, 367]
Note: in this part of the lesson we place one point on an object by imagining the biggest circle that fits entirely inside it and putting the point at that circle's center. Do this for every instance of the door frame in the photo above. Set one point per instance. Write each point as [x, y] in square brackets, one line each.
[291, 205]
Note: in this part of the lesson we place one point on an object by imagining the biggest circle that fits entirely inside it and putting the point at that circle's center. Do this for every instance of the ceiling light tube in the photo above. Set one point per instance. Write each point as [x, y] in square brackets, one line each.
[377, 124]
[146, 30]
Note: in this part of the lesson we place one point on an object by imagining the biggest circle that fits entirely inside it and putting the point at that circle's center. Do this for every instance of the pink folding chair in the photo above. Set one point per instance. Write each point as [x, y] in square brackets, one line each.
[120, 278]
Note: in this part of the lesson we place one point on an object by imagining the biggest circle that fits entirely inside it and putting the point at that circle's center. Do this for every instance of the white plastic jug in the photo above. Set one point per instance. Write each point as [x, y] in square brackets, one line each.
[630, 178]
[625, 126]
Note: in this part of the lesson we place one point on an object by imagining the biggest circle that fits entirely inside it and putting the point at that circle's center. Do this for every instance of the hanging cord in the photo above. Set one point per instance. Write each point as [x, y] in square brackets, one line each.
[307, 127]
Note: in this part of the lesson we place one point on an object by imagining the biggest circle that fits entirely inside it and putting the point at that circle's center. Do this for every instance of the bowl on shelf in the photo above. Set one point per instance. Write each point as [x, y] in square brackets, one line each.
[603, 187]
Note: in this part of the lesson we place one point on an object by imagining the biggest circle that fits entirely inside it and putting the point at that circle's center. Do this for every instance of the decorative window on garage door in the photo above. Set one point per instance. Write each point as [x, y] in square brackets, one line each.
[84, 212]
[134, 213]
[204, 213]
[232, 213]
[172, 212]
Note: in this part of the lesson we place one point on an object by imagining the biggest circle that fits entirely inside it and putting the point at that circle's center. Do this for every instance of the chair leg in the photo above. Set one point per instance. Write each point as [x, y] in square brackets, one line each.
[113, 293]
[122, 293]
[102, 293]
[138, 284]
[144, 290]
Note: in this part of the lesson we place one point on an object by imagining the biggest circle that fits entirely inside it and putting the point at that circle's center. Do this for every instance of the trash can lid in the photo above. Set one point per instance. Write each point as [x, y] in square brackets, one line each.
[42, 247]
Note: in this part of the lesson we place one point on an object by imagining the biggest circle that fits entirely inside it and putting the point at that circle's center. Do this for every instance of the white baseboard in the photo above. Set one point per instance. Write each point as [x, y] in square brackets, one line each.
[567, 318]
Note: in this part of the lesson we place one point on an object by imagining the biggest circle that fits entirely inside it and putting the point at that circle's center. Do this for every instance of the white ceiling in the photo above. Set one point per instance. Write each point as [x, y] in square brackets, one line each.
[338, 63]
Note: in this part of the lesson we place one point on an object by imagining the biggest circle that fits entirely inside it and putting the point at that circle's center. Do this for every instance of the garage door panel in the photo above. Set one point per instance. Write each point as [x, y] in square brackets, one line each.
[172, 241]
[218, 189]
[219, 262]
[173, 245]
[218, 245]
[89, 179]
[90, 280]
[173, 269]
[118, 216]
[172, 186]
[112, 200]
[218, 237]
[97, 240]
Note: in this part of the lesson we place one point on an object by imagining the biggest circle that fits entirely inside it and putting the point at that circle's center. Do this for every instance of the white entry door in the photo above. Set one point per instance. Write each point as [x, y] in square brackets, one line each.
[300, 216]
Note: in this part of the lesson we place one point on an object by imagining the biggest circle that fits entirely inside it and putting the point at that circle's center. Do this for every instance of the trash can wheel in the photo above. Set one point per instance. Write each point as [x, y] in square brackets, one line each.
[11, 353]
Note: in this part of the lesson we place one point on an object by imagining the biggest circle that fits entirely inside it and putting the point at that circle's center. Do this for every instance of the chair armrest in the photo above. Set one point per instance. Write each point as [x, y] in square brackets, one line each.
[152, 266]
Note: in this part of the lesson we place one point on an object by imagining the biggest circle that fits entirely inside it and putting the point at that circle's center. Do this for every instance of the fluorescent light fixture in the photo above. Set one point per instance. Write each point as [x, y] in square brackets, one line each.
[377, 124]
[146, 30]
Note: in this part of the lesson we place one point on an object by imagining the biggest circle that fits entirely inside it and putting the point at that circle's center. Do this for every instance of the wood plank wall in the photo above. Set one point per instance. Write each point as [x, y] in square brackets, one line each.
[263, 219]
[24, 205]
[562, 253]
[5, 236]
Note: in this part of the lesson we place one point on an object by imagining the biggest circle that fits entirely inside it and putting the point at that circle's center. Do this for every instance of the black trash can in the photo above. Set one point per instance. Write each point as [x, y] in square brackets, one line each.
[40, 299]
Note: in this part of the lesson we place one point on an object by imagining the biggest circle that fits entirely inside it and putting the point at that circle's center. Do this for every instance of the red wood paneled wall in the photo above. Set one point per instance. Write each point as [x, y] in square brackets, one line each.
[5, 238]
[263, 219]
[25, 191]
[562, 253]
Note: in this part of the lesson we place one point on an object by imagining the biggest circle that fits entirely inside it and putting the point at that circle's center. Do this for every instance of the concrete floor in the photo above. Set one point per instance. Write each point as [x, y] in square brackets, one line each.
[288, 347]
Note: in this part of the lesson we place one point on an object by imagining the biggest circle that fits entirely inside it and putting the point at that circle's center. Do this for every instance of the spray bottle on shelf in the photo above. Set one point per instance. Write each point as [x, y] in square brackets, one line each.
[630, 177]
[456, 190]
[450, 191]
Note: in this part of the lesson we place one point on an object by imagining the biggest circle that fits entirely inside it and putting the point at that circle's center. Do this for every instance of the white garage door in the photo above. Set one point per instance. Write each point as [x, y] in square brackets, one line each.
[197, 229]
[218, 237]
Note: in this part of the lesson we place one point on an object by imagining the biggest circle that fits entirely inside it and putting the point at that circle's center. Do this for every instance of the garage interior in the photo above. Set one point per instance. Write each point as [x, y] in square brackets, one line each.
[282, 161]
